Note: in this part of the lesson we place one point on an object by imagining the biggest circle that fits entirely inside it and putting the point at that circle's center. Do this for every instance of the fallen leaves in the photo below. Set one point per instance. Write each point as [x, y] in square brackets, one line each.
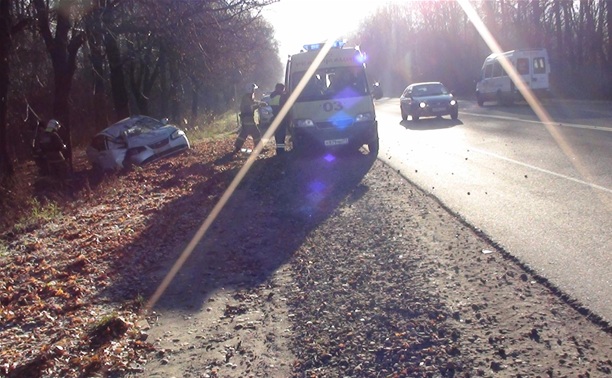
[56, 316]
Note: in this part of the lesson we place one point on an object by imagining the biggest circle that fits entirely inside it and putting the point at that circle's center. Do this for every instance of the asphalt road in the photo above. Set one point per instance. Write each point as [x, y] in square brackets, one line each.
[542, 191]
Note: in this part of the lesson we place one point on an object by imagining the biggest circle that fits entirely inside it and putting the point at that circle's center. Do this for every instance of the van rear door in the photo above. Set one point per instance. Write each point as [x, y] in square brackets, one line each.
[539, 71]
[532, 66]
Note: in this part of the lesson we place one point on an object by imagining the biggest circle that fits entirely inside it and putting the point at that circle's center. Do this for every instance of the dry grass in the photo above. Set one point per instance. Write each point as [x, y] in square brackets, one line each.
[27, 200]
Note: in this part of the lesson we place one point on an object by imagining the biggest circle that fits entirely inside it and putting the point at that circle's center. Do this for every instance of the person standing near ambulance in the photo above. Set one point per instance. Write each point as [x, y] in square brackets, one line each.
[248, 104]
[277, 100]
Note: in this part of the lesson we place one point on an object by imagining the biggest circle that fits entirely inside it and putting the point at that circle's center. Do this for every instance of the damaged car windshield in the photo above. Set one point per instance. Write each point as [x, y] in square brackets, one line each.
[143, 125]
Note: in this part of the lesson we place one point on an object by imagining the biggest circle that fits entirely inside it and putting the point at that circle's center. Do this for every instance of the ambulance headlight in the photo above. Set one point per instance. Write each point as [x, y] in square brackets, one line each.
[363, 117]
[422, 105]
[304, 123]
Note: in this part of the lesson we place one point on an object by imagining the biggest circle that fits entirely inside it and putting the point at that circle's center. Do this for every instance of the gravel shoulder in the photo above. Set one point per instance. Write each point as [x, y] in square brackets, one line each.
[342, 268]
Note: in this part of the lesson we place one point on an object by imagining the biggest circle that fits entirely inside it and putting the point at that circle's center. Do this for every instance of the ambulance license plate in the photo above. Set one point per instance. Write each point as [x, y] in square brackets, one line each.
[336, 142]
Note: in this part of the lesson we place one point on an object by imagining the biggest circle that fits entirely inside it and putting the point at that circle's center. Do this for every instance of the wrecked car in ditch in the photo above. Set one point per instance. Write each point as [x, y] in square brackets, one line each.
[136, 140]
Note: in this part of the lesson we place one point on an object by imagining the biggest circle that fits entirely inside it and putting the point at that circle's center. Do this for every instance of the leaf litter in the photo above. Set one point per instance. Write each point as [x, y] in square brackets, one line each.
[355, 274]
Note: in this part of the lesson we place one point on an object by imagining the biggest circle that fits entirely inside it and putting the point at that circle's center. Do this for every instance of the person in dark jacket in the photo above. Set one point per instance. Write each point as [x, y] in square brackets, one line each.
[37, 152]
[53, 149]
[248, 104]
[277, 100]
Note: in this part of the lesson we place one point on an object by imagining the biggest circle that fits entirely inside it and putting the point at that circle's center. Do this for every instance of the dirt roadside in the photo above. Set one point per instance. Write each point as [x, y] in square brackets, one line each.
[342, 268]
[317, 267]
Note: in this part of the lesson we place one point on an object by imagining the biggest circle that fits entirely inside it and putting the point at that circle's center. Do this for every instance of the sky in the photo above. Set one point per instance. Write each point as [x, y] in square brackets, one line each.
[300, 22]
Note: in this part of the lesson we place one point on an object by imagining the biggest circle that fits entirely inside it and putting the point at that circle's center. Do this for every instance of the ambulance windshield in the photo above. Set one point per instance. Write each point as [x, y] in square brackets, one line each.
[331, 83]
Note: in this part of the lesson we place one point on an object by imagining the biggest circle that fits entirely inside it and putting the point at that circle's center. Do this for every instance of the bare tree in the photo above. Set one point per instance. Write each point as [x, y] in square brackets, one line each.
[443, 45]
[77, 54]
[183, 48]
[607, 5]
[62, 47]
[9, 26]
[6, 166]
[104, 46]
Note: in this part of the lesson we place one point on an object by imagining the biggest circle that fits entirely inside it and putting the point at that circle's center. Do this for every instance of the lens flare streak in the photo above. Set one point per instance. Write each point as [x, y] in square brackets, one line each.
[236, 181]
[528, 95]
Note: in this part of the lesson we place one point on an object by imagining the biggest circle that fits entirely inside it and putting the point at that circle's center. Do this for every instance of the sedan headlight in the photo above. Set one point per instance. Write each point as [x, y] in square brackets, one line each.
[422, 105]
[177, 134]
[304, 123]
[362, 117]
[453, 102]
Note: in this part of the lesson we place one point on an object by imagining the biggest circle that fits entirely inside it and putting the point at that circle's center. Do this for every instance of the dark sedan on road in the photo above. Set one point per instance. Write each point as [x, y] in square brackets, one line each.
[430, 99]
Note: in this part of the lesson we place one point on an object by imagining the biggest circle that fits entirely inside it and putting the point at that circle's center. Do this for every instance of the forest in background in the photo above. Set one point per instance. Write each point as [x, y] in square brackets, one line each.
[434, 40]
[89, 63]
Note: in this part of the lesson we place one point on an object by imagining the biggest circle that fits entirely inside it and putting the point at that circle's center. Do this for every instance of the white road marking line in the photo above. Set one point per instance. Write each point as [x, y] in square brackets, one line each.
[574, 125]
[594, 186]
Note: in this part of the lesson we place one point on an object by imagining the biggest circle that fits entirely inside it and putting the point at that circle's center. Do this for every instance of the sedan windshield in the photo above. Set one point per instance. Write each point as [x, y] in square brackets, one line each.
[423, 90]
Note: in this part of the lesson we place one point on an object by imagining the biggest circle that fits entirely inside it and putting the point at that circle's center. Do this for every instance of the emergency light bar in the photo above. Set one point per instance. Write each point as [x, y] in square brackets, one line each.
[319, 46]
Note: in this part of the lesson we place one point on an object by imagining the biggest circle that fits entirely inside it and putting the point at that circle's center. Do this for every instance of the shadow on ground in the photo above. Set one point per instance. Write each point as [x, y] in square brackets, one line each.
[277, 204]
[431, 123]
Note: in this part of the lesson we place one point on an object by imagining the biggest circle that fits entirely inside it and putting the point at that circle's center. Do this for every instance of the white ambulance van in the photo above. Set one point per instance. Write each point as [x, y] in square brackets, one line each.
[532, 66]
[335, 109]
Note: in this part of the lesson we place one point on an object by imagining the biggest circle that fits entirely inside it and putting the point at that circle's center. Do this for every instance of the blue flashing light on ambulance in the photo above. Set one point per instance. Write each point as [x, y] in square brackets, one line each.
[336, 108]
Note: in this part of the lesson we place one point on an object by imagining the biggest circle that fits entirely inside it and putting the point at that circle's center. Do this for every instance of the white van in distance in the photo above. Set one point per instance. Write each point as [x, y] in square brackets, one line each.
[533, 67]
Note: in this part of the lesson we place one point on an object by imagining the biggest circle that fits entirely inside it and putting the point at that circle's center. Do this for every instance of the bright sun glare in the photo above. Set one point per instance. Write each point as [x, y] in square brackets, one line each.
[299, 22]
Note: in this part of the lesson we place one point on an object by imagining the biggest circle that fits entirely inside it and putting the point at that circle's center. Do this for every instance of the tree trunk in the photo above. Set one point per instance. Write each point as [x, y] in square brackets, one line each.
[61, 109]
[608, 10]
[558, 28]
[142, 79]
[175, 104]
[6, 165]
[163, 81]
[94, 39]
[63, 52]
[608, 58]
[195, 99]
[570, 44]
[136, 84]
[537, 31]
[117, 77]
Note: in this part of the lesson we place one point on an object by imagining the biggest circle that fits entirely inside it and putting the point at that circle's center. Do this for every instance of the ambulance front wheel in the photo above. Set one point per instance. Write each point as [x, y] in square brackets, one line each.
[298, 146]
[373, 146]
